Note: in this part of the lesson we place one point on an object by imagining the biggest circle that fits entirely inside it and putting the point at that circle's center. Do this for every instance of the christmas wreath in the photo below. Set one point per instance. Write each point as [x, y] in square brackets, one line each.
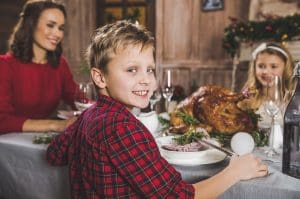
[278, 29]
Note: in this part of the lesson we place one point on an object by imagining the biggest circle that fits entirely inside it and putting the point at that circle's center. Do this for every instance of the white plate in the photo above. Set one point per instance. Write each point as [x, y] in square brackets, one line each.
[194, 158]
[62, 114]
[83, 106]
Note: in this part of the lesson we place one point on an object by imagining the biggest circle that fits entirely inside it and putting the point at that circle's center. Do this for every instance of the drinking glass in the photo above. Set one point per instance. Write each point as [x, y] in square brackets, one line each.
[167, 87]
[273, 106]
[84, 96]
[155, 98]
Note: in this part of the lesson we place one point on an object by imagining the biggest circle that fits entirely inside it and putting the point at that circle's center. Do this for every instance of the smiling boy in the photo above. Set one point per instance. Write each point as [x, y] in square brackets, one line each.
[110, 153]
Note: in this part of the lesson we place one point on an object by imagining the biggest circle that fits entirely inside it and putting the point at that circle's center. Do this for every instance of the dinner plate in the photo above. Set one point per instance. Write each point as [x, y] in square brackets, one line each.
[83, 106]
[193, 158]
[63, 114]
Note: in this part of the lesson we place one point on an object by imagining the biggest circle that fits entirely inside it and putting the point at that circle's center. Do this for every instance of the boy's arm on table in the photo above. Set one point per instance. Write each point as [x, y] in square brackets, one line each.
[240, 168]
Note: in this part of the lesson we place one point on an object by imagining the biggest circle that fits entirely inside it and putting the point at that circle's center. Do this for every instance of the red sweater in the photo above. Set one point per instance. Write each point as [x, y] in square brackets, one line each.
[31, 91]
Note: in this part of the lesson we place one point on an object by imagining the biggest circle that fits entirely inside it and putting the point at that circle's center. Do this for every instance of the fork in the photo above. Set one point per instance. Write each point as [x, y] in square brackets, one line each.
[226, 151]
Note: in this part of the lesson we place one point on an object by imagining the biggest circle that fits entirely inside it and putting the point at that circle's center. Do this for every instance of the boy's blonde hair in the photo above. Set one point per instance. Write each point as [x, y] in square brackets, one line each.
[287, 77]
[112, 37]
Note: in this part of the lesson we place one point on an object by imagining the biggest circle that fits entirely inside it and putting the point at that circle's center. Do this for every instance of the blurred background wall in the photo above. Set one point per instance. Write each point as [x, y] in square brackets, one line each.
[188, 37]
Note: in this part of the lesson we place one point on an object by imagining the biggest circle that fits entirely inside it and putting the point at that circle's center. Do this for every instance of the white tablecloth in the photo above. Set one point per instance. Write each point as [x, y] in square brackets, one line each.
[275, 186]
[25, 173]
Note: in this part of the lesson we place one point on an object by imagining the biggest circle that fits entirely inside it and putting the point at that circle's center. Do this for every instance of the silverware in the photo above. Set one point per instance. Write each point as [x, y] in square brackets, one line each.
[226, 151]
[272, 161]
[77, 113]
[269, 173]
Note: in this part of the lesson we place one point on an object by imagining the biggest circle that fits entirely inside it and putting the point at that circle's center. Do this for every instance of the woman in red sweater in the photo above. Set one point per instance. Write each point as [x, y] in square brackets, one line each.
[34, 76]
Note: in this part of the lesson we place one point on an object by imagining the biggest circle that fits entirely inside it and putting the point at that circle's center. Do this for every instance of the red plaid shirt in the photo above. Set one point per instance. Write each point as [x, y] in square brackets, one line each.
[112, 155]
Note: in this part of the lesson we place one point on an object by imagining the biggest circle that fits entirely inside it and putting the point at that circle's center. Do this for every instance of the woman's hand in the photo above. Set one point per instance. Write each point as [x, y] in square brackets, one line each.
[47, 125]
[61, 125]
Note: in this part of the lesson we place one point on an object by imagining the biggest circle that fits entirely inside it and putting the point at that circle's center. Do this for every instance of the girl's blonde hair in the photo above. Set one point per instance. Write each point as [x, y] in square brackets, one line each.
[287, 77]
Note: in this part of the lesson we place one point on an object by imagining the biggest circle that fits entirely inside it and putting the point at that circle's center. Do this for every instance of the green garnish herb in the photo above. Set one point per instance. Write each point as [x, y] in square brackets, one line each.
[187, 118]
[188, 137]
[164, 123]
[44, 138]
[253, 116]
[260, 138]
[222, 138]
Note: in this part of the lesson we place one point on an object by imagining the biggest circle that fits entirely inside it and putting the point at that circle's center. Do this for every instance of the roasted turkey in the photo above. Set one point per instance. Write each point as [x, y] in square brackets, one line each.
[215, 109]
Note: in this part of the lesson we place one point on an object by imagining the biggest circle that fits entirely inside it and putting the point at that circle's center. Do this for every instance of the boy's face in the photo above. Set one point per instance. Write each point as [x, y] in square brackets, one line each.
[130, 77]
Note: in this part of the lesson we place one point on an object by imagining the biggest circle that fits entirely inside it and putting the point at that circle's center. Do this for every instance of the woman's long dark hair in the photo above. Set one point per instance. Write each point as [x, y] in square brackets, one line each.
[21, 40]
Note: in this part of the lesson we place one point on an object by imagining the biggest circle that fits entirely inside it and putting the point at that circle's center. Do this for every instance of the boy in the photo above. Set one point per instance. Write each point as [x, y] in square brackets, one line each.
[110, 153]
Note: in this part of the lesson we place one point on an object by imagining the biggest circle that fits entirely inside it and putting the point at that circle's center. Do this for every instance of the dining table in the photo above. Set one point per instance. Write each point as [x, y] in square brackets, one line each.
[276, 185]
[25, 174]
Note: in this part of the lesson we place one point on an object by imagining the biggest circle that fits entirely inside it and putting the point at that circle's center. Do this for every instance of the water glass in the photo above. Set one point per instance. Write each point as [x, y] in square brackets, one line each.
[273, 106]
[84, 96]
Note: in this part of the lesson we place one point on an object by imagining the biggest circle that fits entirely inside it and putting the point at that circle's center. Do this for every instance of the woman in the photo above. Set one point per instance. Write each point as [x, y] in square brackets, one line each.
[34, 77]
[268, 60]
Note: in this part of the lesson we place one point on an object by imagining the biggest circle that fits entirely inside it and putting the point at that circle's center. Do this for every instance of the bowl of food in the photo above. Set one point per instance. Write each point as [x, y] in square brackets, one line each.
[189, 154]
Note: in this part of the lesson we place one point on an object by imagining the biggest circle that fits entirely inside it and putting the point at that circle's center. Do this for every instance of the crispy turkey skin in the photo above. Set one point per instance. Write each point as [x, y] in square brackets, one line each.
[216, 109]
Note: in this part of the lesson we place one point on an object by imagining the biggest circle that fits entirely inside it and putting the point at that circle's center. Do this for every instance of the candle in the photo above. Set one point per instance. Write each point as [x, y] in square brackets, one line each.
[242, 143]
[169, 78]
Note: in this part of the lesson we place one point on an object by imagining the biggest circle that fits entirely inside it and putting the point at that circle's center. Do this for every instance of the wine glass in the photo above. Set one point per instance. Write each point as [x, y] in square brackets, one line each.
[156, 96]
[84, 96]
[167, 87]
[273, 106]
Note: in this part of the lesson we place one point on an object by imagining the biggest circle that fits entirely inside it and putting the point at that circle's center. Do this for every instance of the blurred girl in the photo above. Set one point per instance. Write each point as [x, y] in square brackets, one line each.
[268, 59]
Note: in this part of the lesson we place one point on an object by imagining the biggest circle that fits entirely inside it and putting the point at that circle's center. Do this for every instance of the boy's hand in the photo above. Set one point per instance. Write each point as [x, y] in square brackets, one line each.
[248, 166]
